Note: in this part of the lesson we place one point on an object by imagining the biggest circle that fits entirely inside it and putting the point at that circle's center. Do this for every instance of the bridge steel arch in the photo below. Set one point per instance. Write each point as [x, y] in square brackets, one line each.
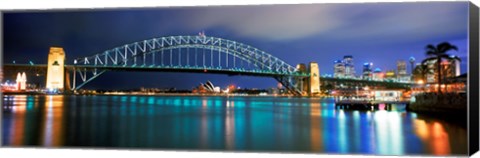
[181, 54]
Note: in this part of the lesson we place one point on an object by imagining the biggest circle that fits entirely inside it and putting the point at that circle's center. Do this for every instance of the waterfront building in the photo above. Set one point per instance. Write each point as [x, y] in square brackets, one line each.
[21, 81]
[367, 71]
[23, 85]
[206, 87]
[449, 68]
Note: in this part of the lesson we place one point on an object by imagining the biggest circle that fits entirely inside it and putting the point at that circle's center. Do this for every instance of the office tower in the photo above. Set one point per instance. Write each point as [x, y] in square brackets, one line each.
[367, 71]
[339, 69]
[349, 66]
[402, 71]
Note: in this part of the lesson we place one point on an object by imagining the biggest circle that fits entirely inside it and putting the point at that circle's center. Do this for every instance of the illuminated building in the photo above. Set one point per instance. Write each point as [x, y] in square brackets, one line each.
[377, 74]
[314, 88]
[417, 75]
[402, 71]
[339, 69]
[390, 74]
[344, 68]
[349, 66]
[55, 69]
[367, 71]
[23, 84]
[207, 87]
[412, 62]
[431, 75]
[21, 81]
[449, 68]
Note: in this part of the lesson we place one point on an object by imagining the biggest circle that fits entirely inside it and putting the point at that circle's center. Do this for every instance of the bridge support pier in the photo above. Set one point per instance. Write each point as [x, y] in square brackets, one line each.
[56, 69]
[314, 86]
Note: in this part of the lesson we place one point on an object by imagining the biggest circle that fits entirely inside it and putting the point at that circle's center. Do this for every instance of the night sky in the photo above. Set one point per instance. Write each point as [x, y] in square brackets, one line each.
[381, 33]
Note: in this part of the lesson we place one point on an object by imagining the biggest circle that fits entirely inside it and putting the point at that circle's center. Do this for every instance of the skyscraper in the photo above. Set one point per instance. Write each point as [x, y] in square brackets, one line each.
[402, 70]
[412, 63]
[367, 71]
[339, 69]
[349, 66]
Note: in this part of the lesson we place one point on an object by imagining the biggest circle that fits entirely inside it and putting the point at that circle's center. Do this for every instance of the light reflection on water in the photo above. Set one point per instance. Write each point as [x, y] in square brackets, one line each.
[223, 123]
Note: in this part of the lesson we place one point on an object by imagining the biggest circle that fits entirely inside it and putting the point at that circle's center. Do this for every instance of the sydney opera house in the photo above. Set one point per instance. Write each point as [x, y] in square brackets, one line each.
[206, 87]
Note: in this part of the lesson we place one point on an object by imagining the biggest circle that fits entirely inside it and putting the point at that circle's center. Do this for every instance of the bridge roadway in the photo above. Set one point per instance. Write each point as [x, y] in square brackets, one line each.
[42, 68]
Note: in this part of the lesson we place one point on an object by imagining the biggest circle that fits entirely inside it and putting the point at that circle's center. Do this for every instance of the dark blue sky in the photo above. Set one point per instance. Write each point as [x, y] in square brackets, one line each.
[381, 33]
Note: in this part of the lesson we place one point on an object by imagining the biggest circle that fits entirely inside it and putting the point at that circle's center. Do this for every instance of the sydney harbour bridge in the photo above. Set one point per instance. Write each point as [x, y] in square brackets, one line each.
[193, 54]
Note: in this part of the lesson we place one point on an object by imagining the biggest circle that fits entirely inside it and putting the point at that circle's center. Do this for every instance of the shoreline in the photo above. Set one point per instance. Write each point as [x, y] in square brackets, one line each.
[168, 94]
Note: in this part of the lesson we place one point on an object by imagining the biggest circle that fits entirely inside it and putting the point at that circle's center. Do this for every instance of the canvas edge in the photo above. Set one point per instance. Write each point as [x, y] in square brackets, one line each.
[1, 73]
[473, 79]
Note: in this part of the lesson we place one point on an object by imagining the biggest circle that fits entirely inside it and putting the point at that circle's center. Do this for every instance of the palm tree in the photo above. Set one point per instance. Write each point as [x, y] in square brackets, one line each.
[437, 53]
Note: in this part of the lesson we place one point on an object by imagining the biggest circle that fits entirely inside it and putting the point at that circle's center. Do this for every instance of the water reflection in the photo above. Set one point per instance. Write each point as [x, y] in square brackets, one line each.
[18, 122]
[434, 135]
[53, 124]
[223, 123]
[230, 125]
[315, 137]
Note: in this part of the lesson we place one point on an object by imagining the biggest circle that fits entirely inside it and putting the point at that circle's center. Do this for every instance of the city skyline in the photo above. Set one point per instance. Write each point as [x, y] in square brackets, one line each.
[318, 33]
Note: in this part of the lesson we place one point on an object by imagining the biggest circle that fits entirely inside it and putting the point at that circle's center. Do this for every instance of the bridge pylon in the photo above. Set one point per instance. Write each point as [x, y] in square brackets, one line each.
[314, 79]
[309, 86]
[56, 69]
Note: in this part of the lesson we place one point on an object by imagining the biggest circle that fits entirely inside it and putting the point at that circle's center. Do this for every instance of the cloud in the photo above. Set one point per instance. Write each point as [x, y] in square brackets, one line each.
[408, 21]
[403, 21]
[275, 22]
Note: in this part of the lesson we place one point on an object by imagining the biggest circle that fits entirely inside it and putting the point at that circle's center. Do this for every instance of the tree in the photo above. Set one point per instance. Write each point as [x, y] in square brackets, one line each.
[437, 53]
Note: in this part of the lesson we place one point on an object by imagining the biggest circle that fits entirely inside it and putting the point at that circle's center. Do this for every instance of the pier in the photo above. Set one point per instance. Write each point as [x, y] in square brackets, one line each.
[367, 104]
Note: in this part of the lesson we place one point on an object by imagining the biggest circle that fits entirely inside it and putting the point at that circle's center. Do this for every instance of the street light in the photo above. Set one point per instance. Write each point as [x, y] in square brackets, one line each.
[420, 82]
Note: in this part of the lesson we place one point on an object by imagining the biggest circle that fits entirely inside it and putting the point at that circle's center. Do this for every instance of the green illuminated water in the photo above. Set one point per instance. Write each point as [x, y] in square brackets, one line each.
[273, 124]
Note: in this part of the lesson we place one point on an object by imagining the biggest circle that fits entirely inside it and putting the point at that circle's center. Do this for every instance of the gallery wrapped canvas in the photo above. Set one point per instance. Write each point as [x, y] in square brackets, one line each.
[328, 78]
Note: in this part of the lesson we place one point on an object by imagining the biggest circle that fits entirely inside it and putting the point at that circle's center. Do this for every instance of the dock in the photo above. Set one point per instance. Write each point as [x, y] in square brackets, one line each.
[366, 104]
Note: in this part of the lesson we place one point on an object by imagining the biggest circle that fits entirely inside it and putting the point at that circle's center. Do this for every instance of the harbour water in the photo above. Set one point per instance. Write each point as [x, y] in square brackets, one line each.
[222, 123]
